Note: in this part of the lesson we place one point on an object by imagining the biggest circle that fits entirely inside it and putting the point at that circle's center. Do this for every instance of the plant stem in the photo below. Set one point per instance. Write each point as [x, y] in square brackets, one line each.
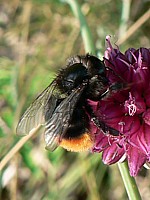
[85, 31]
[129, 182]
[126, 4]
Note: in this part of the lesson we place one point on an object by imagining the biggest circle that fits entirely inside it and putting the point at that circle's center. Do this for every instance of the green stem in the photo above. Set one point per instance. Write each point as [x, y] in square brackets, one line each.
[124, 17]
[129, 182]
[85, 31]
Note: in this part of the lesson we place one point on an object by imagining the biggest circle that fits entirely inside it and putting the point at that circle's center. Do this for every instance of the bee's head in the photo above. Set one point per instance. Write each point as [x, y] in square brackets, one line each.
[71, 77]
[80, 69]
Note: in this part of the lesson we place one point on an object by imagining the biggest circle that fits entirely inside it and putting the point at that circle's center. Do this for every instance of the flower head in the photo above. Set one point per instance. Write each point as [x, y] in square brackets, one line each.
[128, 110]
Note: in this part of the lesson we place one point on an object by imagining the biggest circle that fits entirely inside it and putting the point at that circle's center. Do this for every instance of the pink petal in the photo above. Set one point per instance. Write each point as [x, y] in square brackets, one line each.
[143, 140]
[101, 142]
[129, 125]
[112, 154]
[136, 160]
[146, 116]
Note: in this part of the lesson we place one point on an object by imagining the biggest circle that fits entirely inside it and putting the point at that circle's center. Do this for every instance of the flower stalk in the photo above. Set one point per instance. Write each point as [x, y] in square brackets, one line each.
[129, 182]
[85, 30]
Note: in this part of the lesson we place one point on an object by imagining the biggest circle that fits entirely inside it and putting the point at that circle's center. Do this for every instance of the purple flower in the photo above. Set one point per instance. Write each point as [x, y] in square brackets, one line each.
[127, 110]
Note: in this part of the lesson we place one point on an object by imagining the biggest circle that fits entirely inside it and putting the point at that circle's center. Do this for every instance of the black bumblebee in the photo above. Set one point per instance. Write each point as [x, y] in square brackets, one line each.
[63, 106]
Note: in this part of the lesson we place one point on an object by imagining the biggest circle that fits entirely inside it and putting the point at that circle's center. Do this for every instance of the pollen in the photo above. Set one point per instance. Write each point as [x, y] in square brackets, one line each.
[83, 143]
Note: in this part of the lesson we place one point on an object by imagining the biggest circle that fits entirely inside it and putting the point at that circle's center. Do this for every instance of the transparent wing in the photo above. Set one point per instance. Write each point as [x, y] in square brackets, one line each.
[35, 114]
[57, 126]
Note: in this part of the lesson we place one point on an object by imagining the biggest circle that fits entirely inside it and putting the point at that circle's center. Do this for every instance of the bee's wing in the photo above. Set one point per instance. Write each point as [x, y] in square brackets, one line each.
[35, 114]
[57, 126]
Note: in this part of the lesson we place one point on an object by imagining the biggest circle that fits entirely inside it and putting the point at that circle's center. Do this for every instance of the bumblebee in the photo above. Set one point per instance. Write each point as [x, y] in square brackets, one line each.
[63, 106]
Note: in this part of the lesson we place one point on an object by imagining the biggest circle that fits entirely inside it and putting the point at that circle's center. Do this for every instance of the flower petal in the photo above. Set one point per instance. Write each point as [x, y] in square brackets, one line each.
[146, 116]
[112, 154]
[136, 160]
[101, 143]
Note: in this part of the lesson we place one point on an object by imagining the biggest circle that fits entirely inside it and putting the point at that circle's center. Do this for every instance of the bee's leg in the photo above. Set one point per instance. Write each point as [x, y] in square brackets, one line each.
[112, 89]
[107, 130]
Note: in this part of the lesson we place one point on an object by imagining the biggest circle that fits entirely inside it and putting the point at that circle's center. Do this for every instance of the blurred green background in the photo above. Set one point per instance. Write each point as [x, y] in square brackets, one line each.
[36, 38]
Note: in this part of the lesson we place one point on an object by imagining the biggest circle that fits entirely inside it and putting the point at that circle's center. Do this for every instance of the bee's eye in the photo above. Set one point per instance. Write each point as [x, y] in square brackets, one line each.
[74, 76]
